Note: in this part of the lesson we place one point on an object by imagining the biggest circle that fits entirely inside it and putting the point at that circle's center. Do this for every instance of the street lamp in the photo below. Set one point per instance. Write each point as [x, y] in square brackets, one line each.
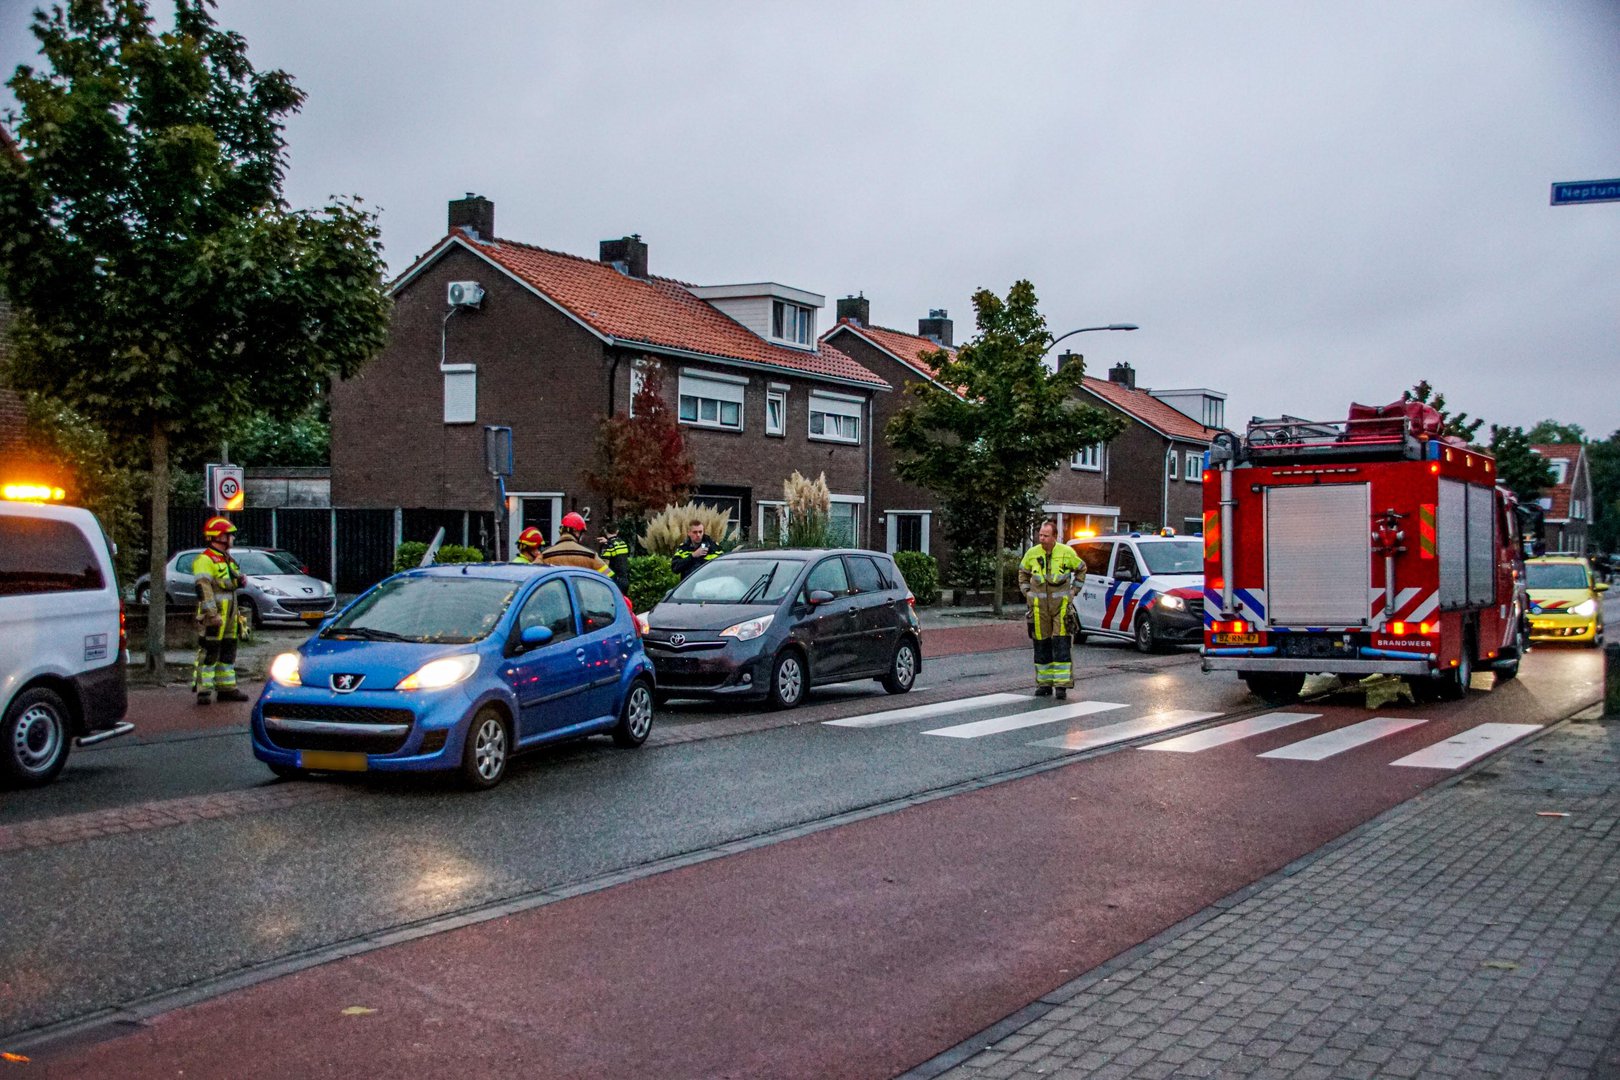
[1085, 329]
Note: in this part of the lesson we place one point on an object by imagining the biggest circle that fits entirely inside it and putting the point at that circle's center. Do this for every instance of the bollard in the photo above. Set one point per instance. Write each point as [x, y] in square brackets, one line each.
[1611, 679]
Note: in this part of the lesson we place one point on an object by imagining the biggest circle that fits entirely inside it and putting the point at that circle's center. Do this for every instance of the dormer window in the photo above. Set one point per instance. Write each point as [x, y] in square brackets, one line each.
[792, 323]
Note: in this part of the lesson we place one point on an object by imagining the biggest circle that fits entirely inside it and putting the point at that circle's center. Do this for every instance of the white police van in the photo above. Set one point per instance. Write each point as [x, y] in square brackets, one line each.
[1141, 587]
[62, 649]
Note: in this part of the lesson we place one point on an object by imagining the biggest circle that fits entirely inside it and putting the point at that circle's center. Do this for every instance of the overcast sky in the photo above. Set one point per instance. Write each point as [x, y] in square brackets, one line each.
[1300, 204]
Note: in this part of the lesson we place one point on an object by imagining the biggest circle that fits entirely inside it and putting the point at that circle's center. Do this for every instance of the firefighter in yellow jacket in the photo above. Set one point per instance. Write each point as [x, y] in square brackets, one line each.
[218, 620]
[1048, 576]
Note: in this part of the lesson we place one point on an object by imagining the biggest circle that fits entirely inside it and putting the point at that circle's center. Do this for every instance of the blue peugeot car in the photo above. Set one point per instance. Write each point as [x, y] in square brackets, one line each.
[458, 668]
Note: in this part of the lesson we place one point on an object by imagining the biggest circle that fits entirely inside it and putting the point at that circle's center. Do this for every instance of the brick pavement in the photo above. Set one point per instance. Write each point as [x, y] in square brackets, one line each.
[1459, 935]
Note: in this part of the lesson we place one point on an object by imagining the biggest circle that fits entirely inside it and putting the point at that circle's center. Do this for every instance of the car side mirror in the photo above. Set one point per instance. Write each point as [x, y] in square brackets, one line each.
[533, 636]
[819, 596]
[1601, 586]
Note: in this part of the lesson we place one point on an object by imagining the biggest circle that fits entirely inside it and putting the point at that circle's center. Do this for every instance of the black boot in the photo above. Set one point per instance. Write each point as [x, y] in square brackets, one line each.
[1043, 691]
[203, 698]
[1061, 692]
[231, 694]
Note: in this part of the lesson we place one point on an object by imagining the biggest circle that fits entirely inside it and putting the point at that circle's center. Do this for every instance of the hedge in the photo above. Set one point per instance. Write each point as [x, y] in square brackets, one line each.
[650, 578]
[408, 556]
[921, 572]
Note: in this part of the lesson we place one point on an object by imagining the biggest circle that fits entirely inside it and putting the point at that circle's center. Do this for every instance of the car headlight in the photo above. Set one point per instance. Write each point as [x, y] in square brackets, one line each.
[1172, 603]
[284, 670]
[748, 631]
[271, 590]
[437, 674]
[1586, 607]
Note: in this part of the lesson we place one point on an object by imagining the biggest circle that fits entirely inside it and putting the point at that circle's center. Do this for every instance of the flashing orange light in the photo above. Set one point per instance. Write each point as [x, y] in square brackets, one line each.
[1397, 627]
[1448, 455]
[1084, 534]
[1489, 467]
[1434, 467]
[1217, 584]
[1428, 628]
[33, 493]
[1468, 460]
[1236, 626]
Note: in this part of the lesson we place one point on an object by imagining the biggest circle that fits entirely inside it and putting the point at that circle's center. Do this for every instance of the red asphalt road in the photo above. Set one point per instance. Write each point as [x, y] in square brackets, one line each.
[857, 951]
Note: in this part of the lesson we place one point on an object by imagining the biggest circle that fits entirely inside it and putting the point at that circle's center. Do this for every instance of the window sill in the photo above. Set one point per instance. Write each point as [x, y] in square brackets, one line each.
[1086, 468]
[835, 439]
[710, 427]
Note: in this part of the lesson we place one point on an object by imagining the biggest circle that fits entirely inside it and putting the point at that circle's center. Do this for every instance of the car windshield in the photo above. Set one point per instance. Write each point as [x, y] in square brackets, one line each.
[426, 609]
[1174, 557]
[265, 563]
[1555, 575]
[739, 581]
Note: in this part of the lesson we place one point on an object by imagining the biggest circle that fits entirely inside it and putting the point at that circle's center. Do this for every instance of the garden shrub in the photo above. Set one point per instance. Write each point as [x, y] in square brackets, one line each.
[921, 572]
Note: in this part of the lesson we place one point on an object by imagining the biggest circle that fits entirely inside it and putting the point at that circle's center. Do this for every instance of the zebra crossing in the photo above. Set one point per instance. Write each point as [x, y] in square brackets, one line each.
[1449, 754]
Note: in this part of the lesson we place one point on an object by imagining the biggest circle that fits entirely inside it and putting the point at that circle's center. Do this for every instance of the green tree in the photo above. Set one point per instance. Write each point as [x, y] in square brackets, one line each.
[642, 463]
[1520, 469]
[164, 289]
[1603, 458]
[1458, 424]
[302, 440]
[1008, 421]
[1551, 431]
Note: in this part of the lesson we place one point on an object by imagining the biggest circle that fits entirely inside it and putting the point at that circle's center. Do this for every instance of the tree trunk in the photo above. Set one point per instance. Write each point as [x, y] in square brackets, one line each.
[158, 587]
[995, 563]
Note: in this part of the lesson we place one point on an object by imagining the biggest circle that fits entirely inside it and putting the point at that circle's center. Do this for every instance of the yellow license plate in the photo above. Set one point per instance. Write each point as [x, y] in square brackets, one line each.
[331, 761]
[1237, 639]
[311, 616]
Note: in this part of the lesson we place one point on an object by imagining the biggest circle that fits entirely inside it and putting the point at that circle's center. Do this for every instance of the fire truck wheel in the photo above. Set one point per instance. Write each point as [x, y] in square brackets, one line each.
[1274, 687]
[1454, 686]
[1508, 669]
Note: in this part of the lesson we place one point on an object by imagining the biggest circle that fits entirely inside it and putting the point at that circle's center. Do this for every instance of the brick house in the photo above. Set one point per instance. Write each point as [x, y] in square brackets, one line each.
[551, 347]
[1568, 503]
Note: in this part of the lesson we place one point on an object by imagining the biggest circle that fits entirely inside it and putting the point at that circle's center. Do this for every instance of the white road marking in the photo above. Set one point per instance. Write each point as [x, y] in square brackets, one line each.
[1229, 733]
[918, 712]
[1128, 730]
[1471, 745]
[1032, 718]
[1337, 742]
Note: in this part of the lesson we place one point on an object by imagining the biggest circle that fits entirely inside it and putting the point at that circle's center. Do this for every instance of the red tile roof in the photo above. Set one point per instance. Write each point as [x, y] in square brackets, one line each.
[1150, 410]
[906, 348]
[654, 311]
[1560, 494]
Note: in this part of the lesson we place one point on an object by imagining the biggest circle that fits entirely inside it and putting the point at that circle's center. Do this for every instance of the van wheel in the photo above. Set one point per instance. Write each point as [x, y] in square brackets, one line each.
[902, 669]
[1146, 640]
[788, 678]
[1274, 687]
[35, 737]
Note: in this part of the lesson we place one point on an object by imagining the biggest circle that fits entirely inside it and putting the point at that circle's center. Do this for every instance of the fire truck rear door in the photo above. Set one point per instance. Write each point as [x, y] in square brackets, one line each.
[1318, 558]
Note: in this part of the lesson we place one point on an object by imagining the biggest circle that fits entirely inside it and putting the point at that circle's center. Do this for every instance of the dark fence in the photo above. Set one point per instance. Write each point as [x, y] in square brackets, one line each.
[353, 549]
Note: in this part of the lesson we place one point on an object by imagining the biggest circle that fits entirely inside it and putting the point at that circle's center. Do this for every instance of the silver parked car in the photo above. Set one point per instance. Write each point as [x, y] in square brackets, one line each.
[279, 587]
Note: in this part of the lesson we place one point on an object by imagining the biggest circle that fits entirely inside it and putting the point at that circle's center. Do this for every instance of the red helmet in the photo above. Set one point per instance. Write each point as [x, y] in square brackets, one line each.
[218, 527]
[574, 523]
[531, 537]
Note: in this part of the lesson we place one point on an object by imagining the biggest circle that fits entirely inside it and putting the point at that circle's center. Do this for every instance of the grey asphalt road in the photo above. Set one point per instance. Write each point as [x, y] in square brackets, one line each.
[103, 921]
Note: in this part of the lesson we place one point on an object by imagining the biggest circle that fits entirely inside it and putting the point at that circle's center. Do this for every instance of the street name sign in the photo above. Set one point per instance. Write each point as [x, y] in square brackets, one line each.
[1569, 192]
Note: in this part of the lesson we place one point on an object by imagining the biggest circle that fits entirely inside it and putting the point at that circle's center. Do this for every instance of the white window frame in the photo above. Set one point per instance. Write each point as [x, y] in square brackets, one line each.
[798, 323]
[460, 406]
[1171, 463]
[892, 529]
[776, 393]
[635, 388]
[1560, 469]
[764, 510]
[720, 389]
[1088, 459]
[843, 406]
[1193, 467]
[855, 503]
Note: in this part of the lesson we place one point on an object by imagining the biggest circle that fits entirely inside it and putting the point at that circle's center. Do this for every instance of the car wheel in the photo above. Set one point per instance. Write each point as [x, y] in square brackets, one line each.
[251, 610]
[902, 669]
[636, 717]
[486, 751]
[1274, 687]
[36, 737]
[286, 772]
[788, 678]
[143, 594]
[1147, 641]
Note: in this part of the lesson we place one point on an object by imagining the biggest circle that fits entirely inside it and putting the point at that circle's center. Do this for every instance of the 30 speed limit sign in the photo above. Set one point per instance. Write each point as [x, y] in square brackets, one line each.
[225, 487]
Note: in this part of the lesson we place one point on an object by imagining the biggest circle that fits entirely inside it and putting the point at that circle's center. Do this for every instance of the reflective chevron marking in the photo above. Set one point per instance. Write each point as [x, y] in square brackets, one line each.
[1229, 733]
[920, 712]
[1471, 745]
[1031, 718]
[1337, 742]
[1142, 726]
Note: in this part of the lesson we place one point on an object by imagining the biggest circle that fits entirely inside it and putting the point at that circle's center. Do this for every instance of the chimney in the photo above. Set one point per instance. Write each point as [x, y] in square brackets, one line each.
[857, 309]
[1066, 357]
[936, 328]
[627, 255]
[476, 214]
[1124, 375]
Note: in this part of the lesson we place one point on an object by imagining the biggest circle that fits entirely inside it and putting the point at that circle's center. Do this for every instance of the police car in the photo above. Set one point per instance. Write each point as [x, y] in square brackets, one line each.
[62, 649]
[1142, 587]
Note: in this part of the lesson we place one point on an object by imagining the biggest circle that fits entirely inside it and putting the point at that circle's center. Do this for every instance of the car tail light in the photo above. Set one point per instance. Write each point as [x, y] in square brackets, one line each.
[123, 628]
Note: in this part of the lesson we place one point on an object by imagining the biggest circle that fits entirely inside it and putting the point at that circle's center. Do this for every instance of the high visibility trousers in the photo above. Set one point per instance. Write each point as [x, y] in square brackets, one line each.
[1053, 647]
[215, 666]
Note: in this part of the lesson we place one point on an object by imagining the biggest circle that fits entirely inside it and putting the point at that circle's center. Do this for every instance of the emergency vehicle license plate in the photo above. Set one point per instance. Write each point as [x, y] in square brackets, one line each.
[1237, 639]
[331, 761]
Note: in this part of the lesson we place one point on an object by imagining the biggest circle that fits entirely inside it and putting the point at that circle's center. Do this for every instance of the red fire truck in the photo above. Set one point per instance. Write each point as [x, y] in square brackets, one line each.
[1359, 546]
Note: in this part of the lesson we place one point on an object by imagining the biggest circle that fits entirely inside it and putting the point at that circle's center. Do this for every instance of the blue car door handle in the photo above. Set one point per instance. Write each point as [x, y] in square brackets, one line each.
[579, 654]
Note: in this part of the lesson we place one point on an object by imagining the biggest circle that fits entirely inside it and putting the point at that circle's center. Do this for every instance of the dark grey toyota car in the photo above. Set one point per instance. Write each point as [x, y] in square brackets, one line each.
[771, 624]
